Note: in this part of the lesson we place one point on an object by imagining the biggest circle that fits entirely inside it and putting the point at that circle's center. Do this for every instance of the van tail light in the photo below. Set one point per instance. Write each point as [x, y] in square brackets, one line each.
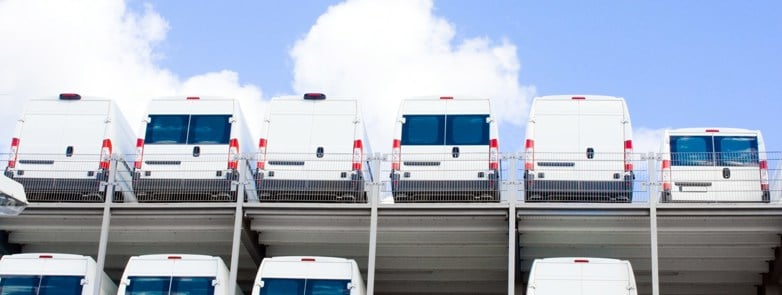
[262, 153]
[233, 154]
[628, 155]
[139, 153]
[666, 171]
[358, 154]
[13, 154]
[764, 175]
[105, 154]
[396, 155]
[529, 154]
[494, 154]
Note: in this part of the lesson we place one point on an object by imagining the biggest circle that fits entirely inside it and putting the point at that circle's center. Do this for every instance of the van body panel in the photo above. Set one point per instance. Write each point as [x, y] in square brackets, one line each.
[444, 151]
[344, 272]
[309, 154]
[578, 149]
[594, 276]
[721, 166]
[80, 269]
[60, 144]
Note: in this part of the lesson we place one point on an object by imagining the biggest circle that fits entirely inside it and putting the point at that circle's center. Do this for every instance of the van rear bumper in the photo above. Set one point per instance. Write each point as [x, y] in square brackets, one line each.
[310, 190]
[62, 189]
[578, 191]
[178, 189]
[445, 190]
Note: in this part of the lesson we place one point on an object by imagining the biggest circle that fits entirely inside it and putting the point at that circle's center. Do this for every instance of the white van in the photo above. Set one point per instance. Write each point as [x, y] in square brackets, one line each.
[170, 274]
[445, 149]
[13, 200]
[312, 149]
[62, 148]
[190, 149]
[714, 165]
[48, 273]
[584, 276]
[578, 148]
[308, 276]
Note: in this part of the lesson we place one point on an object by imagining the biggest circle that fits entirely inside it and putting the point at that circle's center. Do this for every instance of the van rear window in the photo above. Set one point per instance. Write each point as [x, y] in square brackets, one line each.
[736, 150]
[692, 151]
[42, 285]
[467, 130]
[188, 129]
[423, 130]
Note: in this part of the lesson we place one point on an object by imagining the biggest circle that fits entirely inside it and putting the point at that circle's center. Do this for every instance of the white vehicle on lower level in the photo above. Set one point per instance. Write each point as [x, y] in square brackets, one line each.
[582, 276]
[51, 273]
[308, 275]
[714, 165]
[174, 274]
[12, 197]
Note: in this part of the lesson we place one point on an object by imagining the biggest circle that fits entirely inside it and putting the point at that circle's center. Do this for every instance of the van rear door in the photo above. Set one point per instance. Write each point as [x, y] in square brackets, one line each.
[601, 144]
[467, 134]
[288, 139]
[423, 139]
[333, 130]
[555, 136]
[738, 168]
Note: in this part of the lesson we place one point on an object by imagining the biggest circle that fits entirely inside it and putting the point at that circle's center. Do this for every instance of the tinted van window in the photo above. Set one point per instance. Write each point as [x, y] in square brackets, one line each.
[304, 287]
[188, 129]
[170, 285]
[167, 129]
[423, 130]
[40, 285]
[692, 151]
[736, 150]
[467, 130]
[209, 129]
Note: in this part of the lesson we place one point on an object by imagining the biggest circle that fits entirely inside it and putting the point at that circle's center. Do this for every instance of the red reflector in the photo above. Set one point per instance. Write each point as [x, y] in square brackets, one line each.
[308, 259]
[581, 261]
[446, 97]
[578, 98]
[628, 144]
[174, 257]
[45, 256]
[712, 130]
[529, 143]
[193, 98]
[70, 96]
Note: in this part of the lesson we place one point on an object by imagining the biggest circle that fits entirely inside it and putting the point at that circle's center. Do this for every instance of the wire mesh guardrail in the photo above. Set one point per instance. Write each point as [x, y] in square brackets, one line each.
[719, 177]
[59, 177]
[312, 177]
[589, 177]
[415, 178]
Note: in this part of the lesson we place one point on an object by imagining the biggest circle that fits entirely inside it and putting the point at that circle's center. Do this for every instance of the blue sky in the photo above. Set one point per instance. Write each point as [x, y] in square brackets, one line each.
[678, 63]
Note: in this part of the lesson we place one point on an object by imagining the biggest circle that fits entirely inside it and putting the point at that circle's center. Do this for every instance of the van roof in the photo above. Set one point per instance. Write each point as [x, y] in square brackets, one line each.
[573, 260]
[299, 258]
[712, 130]
[181, 256]
[579, 96]
[38, 256]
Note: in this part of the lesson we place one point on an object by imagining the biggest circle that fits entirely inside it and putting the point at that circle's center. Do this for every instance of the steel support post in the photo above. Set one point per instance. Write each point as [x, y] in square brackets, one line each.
[374, 199]
[238, 218]
[510, 190]
[653, 198]
[106, 222]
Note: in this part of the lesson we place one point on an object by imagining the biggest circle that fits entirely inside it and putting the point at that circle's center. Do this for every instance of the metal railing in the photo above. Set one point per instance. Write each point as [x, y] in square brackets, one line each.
[422, 178]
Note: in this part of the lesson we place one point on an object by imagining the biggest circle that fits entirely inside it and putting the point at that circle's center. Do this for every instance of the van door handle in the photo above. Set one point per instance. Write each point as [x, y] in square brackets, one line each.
[455, 152]
[590, 153]
[726, 173]
[196, 151]
[69, 151]
[319, 152]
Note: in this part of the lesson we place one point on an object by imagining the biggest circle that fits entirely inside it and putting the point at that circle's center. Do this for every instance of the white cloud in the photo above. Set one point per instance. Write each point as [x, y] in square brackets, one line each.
[91, 47]
[383, 51]
[647, 140]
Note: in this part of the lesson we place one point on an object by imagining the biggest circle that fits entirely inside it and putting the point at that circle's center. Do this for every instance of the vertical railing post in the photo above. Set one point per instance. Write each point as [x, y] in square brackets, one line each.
[374, 199]
[238, 215]
[106, 222]
[512, 189]
[653, 199]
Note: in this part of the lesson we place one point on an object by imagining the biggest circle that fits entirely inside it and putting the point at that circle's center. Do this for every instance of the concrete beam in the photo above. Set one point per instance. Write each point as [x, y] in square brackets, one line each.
[250, 240]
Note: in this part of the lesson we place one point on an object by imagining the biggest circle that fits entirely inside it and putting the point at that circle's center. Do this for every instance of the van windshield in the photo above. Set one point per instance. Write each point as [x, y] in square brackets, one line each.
[40, 285]
[304, 287]
[423, 130]
[188, 129]
[170, 286]
[467, 130]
